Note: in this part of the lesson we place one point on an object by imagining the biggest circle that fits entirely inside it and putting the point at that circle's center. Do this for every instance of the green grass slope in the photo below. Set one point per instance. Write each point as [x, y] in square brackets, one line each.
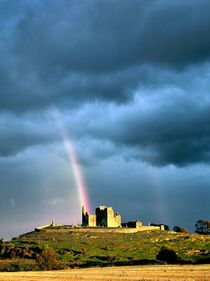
[74, 249]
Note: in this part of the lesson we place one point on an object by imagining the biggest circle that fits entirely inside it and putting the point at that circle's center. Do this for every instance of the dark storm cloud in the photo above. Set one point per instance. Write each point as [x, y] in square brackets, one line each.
[68, 91]
[109, 35]
[161, 125]
[173, 129]
[69, 52]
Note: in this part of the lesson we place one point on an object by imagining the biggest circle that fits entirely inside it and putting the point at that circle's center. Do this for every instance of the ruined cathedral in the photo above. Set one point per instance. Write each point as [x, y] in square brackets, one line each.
[104, 217]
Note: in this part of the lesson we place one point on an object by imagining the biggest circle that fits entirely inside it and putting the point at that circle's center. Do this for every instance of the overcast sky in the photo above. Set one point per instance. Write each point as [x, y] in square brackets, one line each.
[130, 81]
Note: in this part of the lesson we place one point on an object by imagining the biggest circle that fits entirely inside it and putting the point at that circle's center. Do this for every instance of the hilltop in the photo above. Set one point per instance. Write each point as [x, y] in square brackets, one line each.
[57, 250]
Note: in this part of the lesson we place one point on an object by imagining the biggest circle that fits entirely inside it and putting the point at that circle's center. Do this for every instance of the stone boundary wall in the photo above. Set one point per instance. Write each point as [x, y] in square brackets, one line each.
[105, 229]
[42, 227]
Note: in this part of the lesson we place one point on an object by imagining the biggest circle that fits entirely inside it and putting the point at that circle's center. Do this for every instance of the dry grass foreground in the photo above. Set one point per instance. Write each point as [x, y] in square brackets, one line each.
[140, 273]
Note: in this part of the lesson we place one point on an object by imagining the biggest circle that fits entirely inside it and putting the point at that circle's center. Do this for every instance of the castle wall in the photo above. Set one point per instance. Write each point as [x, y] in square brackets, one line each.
[110, 217]
[37, 228]
[106, 230]
[105, 217]
[92, 220]
[134, 224]
[113, 220]
[85, 219]
[117, 220]
[101, 216]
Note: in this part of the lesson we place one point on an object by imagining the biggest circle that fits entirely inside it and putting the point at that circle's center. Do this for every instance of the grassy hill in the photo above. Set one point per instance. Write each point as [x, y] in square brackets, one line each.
[41, 250]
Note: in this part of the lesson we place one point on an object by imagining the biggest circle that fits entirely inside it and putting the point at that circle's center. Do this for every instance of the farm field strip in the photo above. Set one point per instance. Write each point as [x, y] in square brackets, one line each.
[140, 273]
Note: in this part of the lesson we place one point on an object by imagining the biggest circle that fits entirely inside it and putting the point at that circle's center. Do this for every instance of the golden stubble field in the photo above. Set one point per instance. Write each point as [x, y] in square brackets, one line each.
[140, 273]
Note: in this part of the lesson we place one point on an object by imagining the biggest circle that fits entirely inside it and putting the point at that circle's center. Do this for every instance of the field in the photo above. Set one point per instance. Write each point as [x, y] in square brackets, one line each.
[41, 250]
[140, 273]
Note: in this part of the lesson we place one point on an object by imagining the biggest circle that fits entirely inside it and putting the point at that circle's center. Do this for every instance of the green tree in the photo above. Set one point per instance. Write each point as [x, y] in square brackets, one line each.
[180, 229]
[202, 227]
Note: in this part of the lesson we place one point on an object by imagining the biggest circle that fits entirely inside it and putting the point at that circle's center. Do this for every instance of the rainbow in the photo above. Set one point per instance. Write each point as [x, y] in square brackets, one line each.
[76, 167]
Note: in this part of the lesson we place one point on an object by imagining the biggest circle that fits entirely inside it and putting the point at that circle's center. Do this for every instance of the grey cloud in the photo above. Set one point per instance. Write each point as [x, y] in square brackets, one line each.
[107, 35]
[68, 53]
[19, 133]
[161, 124]
[79, 53]
[74, 89]
[53, 202]
[161, 127]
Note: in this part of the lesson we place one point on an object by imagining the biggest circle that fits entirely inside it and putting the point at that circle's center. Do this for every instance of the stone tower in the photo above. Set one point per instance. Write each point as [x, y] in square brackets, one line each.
[53, 222]
[106, 217]
[84, 212]
[88, 220]
[84, 216]
[103, 217]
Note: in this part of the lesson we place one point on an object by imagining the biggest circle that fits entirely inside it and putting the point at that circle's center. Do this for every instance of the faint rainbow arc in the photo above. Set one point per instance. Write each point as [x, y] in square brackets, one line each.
[77, 171]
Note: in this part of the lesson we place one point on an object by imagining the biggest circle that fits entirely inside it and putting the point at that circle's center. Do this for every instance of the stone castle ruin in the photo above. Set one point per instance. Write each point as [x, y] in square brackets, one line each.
[104, 217]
